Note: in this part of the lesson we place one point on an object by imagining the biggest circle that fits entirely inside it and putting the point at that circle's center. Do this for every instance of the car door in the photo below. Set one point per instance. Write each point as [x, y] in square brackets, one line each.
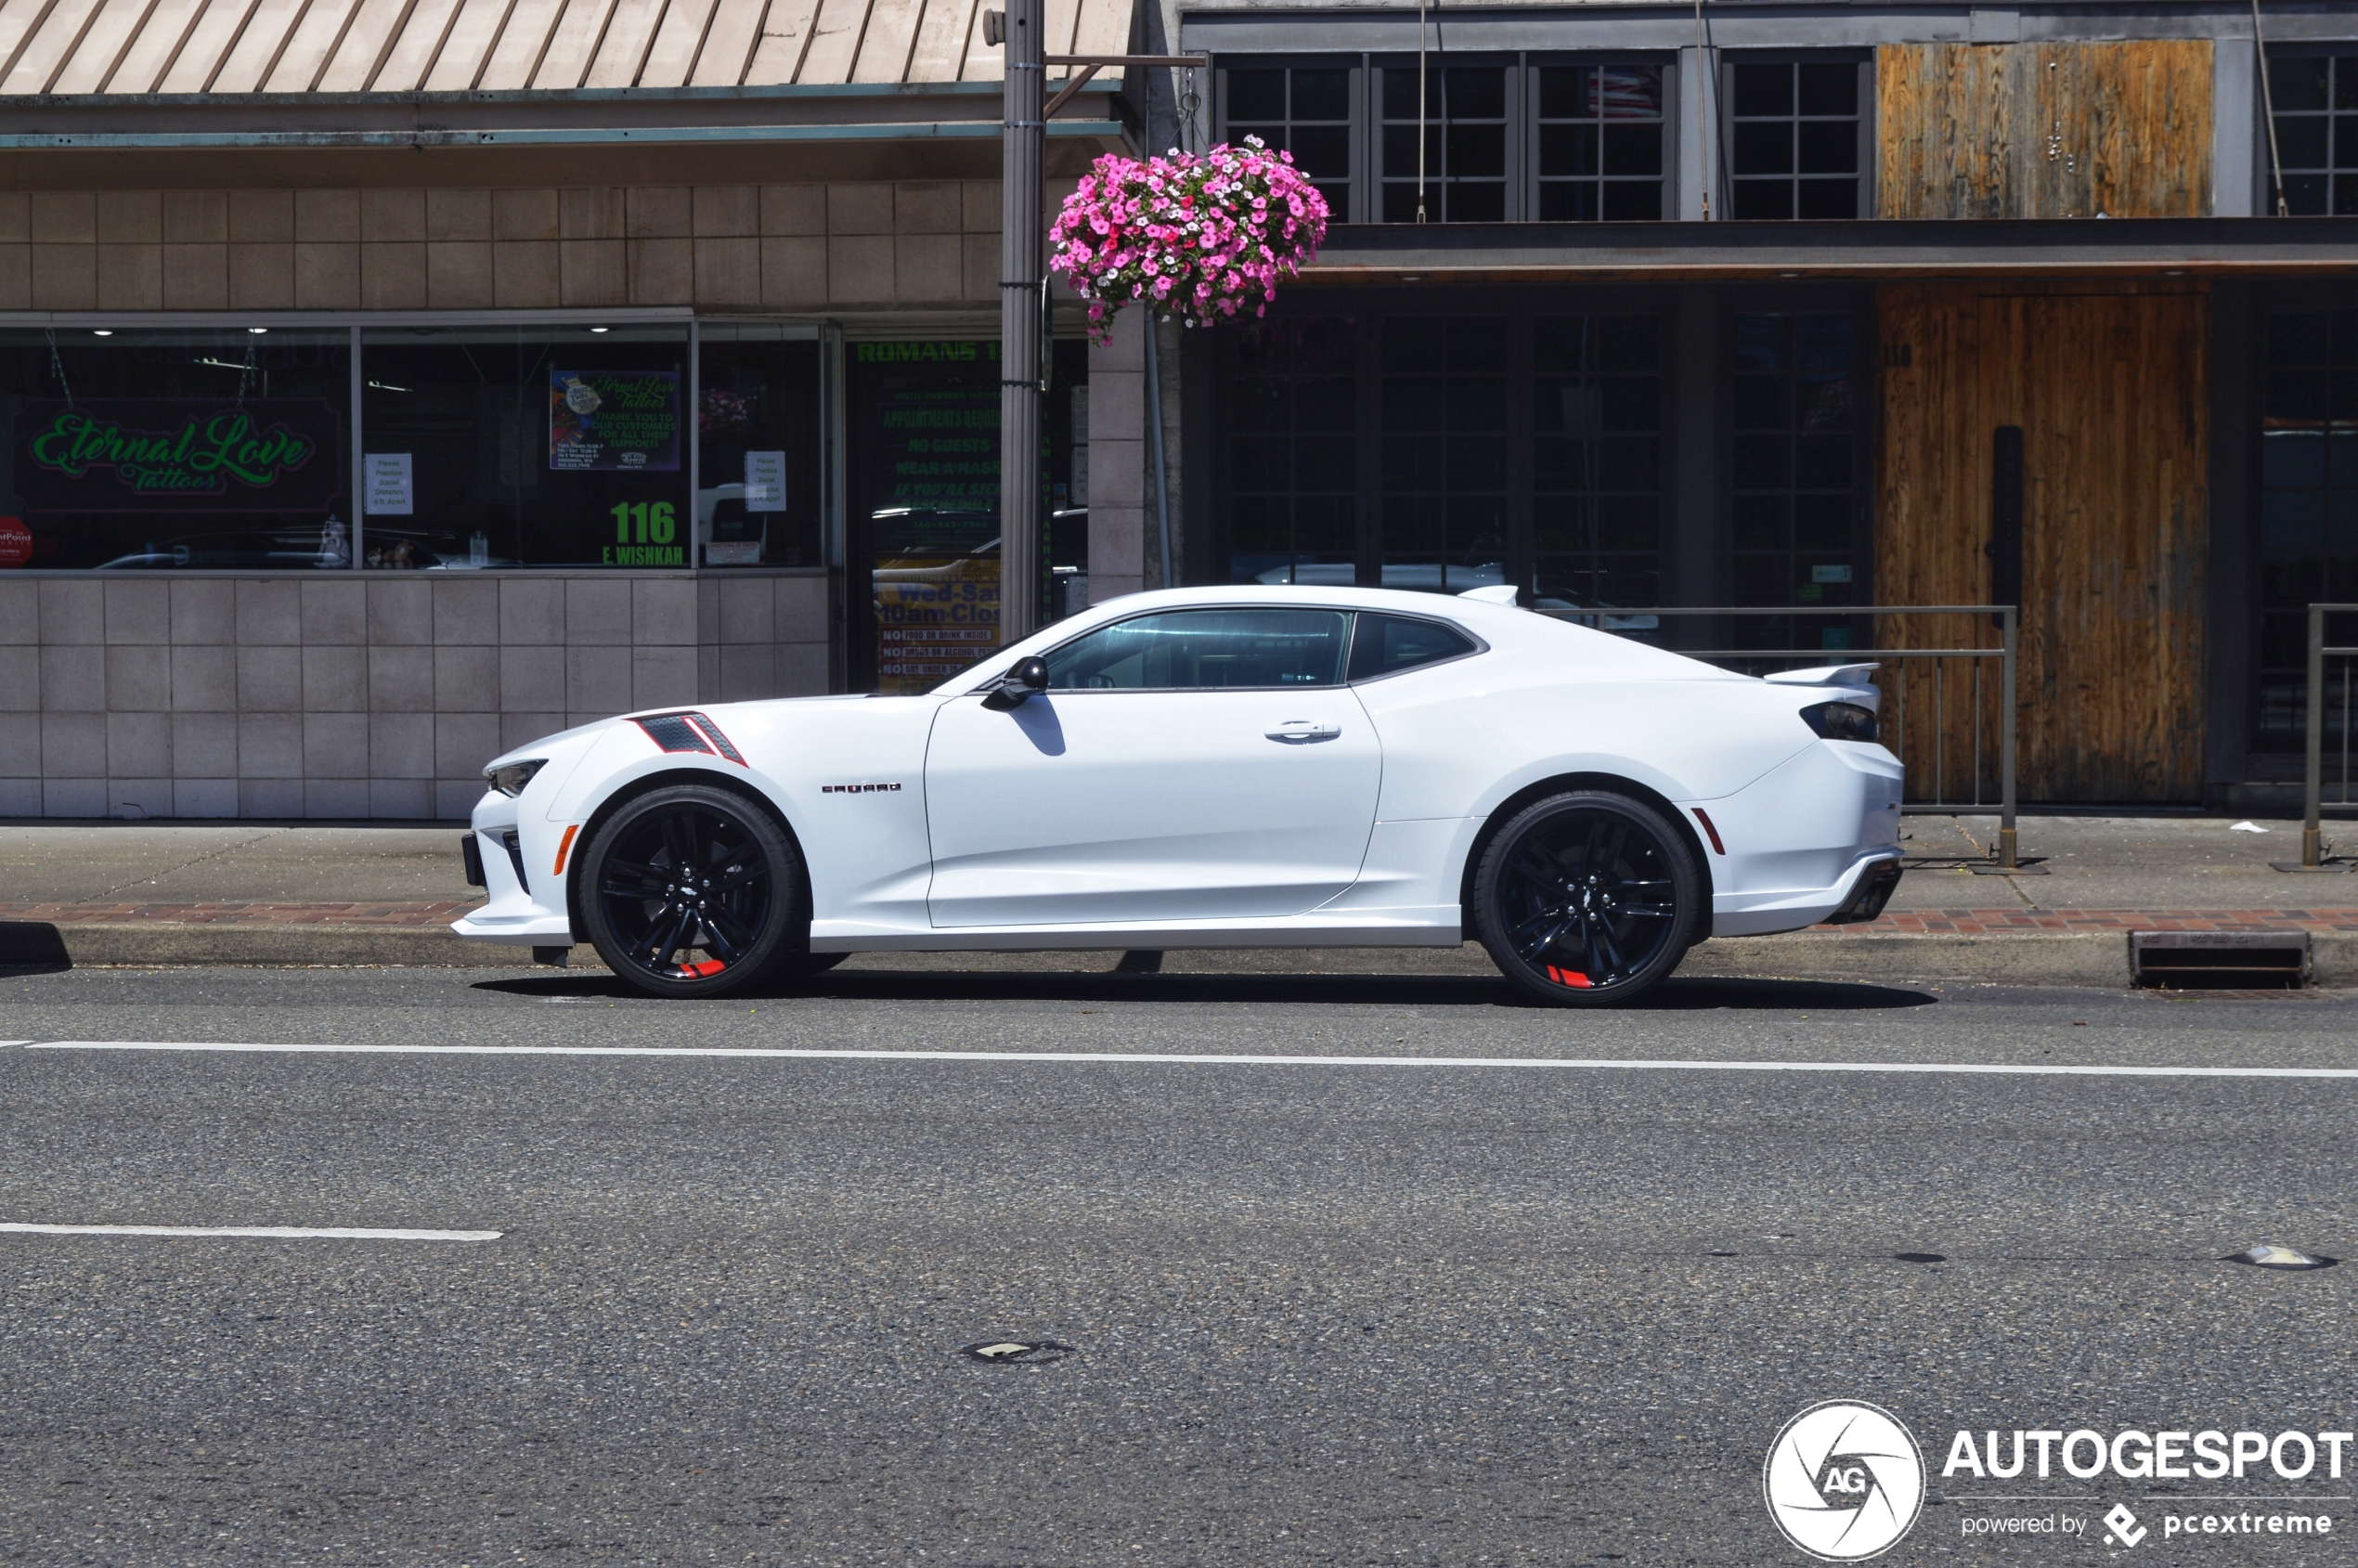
[1183, 765]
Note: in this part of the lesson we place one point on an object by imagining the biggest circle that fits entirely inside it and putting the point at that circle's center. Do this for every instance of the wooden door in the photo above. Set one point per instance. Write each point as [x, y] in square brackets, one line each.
[2110, 386]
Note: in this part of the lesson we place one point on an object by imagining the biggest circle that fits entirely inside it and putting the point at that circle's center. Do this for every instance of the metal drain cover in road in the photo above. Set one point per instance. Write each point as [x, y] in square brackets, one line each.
[2267, 1255]
[1000, 1353]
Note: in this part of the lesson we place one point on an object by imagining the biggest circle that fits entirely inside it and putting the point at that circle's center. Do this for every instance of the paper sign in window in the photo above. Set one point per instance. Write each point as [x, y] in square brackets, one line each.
[388, 492]
[765, 481]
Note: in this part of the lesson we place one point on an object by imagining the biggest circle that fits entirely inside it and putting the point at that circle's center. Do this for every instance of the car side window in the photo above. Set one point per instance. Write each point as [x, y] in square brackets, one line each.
[1387, 645]
[1206, 650]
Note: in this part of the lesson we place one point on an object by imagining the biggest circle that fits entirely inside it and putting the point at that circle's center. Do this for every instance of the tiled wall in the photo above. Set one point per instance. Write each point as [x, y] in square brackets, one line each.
[362, 694]
[744, 247]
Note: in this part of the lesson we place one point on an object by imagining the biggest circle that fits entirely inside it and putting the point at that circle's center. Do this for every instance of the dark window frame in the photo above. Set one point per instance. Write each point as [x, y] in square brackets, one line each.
[1520, 181]
[1725, 157]
[1520, 306]
[1354, 178]
[2339, 172]
[1866, 438]
[2286, 625]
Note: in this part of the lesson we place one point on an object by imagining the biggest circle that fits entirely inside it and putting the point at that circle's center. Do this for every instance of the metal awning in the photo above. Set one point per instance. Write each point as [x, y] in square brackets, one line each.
[1505, 253]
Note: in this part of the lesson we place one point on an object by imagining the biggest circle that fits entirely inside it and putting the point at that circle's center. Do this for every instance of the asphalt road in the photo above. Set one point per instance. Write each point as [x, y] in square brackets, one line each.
[1373, 1312]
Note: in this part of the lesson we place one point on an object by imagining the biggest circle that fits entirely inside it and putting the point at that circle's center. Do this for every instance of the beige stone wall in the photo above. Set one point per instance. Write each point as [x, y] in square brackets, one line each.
[716, 247]
[346, 694]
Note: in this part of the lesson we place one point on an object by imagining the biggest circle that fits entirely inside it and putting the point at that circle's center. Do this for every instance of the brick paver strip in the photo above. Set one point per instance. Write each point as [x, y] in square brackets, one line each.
[1920, 922]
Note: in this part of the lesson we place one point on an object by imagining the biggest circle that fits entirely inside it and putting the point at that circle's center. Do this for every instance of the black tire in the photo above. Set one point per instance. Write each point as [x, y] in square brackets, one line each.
[739, 904]
[1587, 899]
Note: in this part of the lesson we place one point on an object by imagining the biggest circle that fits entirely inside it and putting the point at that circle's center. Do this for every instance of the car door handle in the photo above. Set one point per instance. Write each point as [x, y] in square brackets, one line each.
[1300, 731]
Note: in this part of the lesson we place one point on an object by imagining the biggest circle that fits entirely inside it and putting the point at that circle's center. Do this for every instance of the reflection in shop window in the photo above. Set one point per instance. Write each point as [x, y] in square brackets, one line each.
[1597, 461]
[1795, 416]
[1292, 454]
[221, 448]
[758, 502]
[2308, 518]
[1444, 452]
[925, 472]
[526, 446]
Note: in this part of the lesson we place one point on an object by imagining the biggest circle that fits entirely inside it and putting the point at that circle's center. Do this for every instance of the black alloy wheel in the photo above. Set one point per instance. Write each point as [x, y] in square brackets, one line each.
[1587, 899]
[691, 891]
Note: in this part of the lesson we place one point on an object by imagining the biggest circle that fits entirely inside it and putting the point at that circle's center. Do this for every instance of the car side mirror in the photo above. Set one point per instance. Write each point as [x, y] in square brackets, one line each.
[1015, 687]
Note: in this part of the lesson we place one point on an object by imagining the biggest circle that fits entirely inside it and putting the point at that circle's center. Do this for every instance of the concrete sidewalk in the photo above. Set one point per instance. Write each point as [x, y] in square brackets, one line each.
[144, 893]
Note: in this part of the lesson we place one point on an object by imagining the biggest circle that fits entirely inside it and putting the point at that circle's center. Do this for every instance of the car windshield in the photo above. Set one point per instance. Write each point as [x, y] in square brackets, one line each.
[1206, 649]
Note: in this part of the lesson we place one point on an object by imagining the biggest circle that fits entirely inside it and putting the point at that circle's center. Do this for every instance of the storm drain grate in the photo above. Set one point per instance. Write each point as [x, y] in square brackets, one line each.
[2220, 960]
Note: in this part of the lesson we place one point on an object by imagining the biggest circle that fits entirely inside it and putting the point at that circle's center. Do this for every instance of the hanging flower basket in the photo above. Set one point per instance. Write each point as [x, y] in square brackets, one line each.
[1195, 239]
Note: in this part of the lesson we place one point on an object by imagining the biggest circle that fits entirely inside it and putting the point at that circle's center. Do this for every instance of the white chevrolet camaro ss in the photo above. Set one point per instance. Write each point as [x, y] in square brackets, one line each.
[1215, 766]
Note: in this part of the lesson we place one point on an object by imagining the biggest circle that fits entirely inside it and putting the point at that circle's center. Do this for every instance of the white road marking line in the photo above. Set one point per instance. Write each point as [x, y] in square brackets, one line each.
[289, 1233]
[706, 1052]
[6, 1043]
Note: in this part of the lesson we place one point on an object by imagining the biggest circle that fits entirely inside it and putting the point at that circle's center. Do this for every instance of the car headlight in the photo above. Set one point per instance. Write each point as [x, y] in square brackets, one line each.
[1840, 721]
[509, 778]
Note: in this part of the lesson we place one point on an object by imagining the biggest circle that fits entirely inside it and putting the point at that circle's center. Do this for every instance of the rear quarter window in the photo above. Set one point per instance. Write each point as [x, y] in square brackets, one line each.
[1387, 644]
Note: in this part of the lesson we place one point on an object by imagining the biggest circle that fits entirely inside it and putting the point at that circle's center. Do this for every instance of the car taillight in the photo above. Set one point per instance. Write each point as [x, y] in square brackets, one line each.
[1840, 721]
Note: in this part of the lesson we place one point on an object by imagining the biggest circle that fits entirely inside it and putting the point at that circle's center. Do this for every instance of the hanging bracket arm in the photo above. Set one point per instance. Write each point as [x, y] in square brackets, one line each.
[1092, 64]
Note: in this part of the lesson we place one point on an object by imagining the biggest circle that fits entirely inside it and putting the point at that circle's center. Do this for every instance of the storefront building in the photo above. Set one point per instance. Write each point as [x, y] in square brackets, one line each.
[1793, 308]
[389, 386]
[386, 386]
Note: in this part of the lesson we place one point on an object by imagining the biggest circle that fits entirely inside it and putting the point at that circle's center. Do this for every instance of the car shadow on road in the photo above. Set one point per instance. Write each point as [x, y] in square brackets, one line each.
[1677, 995]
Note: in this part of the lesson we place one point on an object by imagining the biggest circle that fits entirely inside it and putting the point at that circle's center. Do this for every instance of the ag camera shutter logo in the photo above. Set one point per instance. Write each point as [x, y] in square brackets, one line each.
[1844, 1481]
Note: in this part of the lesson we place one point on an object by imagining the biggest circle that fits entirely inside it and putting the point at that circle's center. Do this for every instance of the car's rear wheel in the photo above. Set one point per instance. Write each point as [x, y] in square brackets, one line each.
[1586, 899]
[691, 890]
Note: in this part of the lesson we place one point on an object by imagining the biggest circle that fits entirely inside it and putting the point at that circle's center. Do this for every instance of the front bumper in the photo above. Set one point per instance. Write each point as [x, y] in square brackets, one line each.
[526, 903]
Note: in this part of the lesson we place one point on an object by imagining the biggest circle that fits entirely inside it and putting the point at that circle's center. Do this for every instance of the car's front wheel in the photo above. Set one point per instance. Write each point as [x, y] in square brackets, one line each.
[691, 890]
[1586, 899]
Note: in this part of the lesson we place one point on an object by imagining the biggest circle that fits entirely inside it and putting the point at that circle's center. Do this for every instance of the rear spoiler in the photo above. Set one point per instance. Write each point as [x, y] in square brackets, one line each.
[1826, 675]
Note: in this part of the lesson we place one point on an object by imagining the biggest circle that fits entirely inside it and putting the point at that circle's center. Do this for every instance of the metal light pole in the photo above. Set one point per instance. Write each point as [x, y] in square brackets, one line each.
[1023, 337]
[1024, 141]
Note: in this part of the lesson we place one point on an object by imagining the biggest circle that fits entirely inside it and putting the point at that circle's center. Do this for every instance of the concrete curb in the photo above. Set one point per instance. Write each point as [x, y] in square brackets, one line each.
[2061, 959]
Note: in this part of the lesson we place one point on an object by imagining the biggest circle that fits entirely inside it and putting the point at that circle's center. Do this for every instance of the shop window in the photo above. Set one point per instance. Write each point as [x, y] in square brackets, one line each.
[1795, 476]
[1599, 140]
[1292, 408]
[2316, 102]
[758, 501]
[1464, 175]
[924, 483]
[1444, 452]
[1443, 414]
[221, 448]
[1596, 417]
[1302, 109]
[1797, 138]
[2308, 514]
[525, 446]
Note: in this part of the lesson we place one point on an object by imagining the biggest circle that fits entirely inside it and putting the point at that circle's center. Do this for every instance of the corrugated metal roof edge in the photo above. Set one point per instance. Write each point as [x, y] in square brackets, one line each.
[527, 96]
[583, 136]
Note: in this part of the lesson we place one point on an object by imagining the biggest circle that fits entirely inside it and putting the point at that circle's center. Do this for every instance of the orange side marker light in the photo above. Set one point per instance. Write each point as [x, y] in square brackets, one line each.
[565, 847]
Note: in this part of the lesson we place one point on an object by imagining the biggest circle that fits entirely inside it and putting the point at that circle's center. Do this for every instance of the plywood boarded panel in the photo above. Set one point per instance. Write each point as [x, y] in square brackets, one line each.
[2108, 386]
[2044, 130]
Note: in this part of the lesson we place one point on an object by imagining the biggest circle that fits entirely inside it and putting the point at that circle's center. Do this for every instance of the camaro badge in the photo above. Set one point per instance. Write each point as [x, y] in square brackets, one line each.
[857, 789]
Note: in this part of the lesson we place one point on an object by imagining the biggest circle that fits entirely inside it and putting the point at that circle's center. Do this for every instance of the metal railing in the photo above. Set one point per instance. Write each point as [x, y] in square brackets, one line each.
[2004, 853]
[2314, 802]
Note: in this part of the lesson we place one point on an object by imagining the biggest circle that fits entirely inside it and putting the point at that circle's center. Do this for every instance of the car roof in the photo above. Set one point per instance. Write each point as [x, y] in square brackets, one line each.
[1504, 627]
